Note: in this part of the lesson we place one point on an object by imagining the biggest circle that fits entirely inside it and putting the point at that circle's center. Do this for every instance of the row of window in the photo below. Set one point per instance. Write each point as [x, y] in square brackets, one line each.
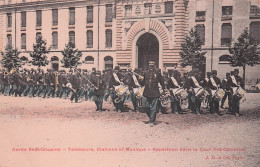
[226, 32]
[55, 14]
[89, 36]
[227, 11]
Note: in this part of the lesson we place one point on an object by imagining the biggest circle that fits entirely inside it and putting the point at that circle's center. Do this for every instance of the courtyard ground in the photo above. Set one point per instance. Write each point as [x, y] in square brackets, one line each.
[36, 132]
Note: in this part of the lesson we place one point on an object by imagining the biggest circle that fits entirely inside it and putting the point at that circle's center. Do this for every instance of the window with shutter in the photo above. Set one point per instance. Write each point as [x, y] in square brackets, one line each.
[201, 31]
[109, 13]
[55, 40]
[9, 20]
[89, 39]
[9, 40]
[55, 17]
[71, 16]
[255, 30]
[23, 41]
[72, 37]
[169, 7]
[38, 18]
[108, 38]
[89, 14]
[226, 34]
[23, 19]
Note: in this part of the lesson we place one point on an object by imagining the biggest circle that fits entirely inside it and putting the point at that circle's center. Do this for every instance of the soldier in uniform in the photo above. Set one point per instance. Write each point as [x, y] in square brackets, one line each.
[129, 81]
[40, 83]
[51, 79]
[235, 81]
[205, 85]
[99, 90]
[31, 83]
[115, 80]
[69, 80]
[76, 78]
[91, 90]
[224, 86]
[151, 91]
[214, 84]
[174, 83]
[194, 101]
[1, 81]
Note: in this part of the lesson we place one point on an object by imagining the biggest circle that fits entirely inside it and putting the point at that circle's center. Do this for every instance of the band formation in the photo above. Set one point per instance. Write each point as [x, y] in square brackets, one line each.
[149, 89]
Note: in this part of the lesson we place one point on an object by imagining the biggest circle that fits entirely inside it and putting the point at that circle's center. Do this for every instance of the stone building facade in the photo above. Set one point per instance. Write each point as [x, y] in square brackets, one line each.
[129, 32]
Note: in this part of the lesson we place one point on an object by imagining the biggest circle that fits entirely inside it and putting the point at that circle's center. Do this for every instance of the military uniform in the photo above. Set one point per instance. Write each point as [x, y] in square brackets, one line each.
[115, 80]
[214, 84]
[194, 102]
[76, 79]
[174, 83]
[151, 91]
[99, 90]
[129, 81]
[224, 86]
[235, 81]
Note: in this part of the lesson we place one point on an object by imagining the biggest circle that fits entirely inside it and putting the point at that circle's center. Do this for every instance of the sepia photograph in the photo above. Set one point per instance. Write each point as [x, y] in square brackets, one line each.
[129, 83]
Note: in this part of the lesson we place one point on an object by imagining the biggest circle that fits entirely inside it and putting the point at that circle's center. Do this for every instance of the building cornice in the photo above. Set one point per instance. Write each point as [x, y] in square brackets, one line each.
[51, 4]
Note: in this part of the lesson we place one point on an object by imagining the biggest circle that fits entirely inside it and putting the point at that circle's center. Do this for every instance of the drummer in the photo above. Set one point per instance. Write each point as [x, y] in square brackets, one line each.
[235, 81]
[214, 84]
[115, 80]
[174, 83]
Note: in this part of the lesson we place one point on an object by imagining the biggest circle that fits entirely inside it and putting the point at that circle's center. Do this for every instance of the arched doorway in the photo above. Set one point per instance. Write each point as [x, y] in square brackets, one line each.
[147, 50]
[108, 62]
[55, 63]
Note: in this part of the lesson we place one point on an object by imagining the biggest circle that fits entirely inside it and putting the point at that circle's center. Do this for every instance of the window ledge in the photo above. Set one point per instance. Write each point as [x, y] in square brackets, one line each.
[108, 24]
[54, 27]
[226, 17]
[9, 29]
[71, 26]
[23, 28]
[89, 25]
[39, 28]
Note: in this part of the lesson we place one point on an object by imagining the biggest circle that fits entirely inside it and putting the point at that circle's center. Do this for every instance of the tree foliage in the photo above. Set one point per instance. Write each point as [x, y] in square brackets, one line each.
[10, 58]
[71, 56]
[39, 52]
[244, 52]
[191, 51]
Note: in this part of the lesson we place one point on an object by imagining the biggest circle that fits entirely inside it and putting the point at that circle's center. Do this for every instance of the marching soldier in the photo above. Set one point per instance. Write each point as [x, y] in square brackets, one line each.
[174, 83]
[151, 91]
[235, 81]
[76, 78]
[115, 80]
[194, 101]
[41, 86]
[214, 85]
[129, 81]
[205, 84]
[99, 90]
[1, 81]
[224, 86]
